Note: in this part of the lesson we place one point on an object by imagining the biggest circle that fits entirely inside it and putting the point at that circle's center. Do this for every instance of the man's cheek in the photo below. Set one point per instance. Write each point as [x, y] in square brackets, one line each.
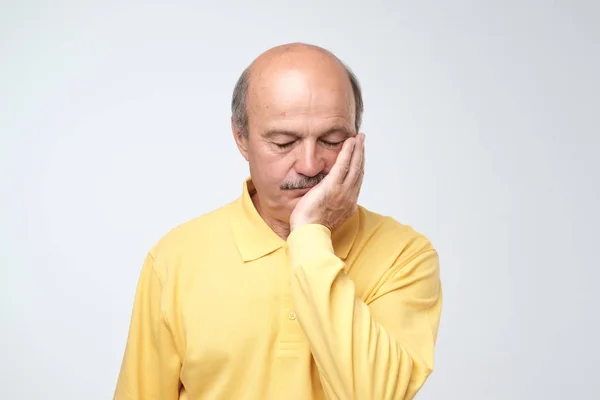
[332, 159]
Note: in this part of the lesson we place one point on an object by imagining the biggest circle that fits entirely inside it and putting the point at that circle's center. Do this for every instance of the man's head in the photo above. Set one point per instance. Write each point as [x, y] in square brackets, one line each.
[292, 108]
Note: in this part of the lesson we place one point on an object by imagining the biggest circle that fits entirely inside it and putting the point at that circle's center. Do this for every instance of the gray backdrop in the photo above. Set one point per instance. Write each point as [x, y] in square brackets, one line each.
[482, 124]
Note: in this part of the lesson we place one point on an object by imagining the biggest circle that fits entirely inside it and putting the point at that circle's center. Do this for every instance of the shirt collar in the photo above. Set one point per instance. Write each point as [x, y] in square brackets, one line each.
[255, 239]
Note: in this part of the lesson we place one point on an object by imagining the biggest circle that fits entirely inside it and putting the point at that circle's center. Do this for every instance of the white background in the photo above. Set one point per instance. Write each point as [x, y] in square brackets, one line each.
[482, 124]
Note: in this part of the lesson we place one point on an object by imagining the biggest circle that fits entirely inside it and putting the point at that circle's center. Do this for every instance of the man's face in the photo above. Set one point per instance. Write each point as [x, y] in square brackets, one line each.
[298, 121]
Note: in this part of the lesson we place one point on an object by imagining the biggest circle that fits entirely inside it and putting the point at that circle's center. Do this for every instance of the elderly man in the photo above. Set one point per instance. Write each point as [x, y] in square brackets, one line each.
[292, 291]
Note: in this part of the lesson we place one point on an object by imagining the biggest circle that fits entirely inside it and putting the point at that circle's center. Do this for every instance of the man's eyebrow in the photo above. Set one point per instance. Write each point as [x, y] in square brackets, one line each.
[271, 133]
[337, 128]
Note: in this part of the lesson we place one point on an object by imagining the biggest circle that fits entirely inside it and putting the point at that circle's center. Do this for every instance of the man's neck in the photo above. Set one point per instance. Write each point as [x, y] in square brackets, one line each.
[282, 229]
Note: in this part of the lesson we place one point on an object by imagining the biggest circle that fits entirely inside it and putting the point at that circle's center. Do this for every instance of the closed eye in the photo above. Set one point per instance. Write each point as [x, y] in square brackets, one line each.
[331, 144]
[285, 145]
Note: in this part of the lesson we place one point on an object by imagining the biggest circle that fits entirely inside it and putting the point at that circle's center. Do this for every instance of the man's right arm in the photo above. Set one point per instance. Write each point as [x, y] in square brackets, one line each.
[151, 365]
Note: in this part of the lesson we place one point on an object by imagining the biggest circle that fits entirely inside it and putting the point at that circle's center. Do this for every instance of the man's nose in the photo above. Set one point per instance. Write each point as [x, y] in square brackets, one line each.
[309, 161]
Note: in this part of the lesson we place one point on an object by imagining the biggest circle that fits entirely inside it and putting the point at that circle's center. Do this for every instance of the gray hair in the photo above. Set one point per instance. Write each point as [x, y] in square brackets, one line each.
[239, 110]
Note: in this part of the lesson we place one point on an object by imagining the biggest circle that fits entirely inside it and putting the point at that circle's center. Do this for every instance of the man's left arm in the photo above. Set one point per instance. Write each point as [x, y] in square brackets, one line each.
[383, 350]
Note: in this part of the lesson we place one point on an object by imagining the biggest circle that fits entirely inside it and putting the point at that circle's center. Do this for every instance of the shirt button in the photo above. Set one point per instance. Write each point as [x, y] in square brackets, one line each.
[292, 315]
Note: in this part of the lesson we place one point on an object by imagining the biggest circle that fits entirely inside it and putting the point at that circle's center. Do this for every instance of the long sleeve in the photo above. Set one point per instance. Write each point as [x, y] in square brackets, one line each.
[383, 350]
[151, 366]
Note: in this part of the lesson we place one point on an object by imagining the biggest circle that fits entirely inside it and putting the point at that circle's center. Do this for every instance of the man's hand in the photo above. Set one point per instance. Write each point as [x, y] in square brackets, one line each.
[335, 198]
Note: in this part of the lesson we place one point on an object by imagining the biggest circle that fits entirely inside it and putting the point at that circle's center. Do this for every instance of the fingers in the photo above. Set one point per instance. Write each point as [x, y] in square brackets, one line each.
[341, 167]
[356, 165]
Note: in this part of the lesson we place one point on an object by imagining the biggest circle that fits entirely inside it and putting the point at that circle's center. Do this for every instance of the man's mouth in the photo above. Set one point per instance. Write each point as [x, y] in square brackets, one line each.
[308, 187]
[301, 191]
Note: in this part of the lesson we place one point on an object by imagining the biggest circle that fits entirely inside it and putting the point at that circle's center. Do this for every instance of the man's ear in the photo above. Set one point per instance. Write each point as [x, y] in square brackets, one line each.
[240, 140]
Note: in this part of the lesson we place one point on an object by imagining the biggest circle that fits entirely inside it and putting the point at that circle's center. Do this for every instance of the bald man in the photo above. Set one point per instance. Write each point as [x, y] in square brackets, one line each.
[292, 290]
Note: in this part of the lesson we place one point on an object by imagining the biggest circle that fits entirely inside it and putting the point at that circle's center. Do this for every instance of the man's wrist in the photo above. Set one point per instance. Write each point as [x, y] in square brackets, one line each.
[297, 223]
[309, 242]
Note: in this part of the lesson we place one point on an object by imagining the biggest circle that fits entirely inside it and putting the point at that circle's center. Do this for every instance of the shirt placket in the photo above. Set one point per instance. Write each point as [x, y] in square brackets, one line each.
[292, 341]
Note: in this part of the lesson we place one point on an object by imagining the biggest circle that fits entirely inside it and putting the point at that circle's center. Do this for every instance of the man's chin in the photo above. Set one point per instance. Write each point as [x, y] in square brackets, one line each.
[292, 200]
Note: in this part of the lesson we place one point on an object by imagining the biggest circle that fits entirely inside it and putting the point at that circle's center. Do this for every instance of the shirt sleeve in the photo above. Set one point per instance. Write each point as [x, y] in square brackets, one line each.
[383, 350]
[151, 366]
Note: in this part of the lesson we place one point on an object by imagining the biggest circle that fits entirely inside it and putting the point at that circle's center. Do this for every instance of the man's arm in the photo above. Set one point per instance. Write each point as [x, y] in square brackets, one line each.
[151, 365]
[381, 351]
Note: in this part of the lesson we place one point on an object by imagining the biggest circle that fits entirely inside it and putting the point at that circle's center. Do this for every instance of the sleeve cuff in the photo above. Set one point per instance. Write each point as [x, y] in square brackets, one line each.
[309, 244]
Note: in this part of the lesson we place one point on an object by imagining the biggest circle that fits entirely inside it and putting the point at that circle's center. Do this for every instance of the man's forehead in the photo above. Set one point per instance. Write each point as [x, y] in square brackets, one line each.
[286, 87]
[298, 91]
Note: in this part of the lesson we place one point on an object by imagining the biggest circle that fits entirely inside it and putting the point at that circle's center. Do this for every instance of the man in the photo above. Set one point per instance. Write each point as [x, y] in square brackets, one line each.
[291, 291]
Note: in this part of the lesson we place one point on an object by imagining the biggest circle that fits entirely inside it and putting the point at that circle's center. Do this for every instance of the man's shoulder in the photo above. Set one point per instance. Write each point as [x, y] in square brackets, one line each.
[196, 233]
[387, 233]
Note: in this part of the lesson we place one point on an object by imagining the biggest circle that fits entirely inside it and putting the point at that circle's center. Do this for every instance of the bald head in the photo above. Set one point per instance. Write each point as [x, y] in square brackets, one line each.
[283, 73]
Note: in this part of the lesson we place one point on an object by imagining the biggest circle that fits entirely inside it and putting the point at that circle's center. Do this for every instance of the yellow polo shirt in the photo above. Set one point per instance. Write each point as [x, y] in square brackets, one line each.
[226, 309]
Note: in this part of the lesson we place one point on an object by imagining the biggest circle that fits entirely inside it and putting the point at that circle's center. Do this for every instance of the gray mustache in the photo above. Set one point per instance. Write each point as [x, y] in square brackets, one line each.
[305, 182]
